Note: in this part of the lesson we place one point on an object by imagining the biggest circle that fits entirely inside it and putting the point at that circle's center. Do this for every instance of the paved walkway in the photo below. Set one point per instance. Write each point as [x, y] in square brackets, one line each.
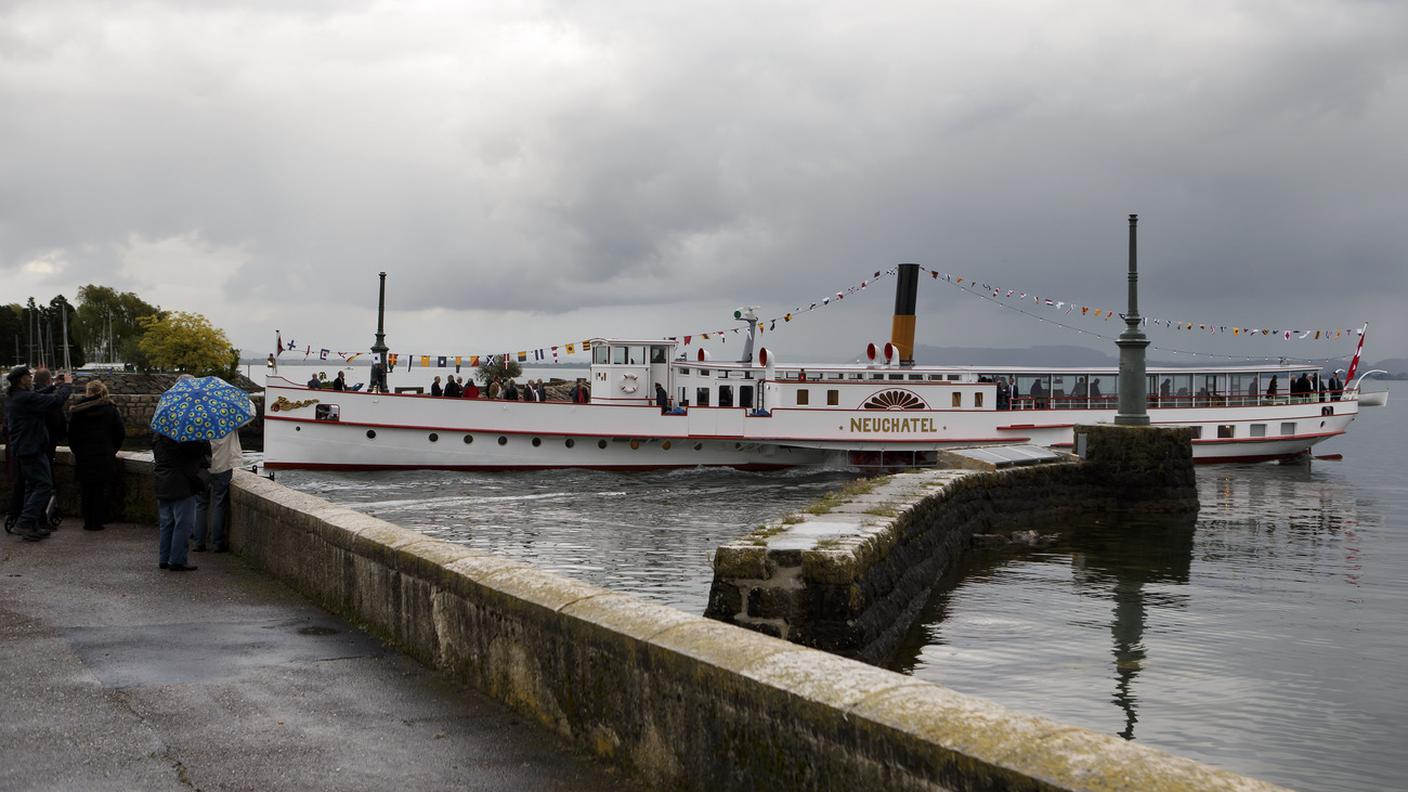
[117, 676]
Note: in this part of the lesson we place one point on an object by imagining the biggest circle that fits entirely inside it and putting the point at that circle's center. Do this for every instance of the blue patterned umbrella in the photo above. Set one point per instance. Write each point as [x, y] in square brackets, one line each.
[207, 408]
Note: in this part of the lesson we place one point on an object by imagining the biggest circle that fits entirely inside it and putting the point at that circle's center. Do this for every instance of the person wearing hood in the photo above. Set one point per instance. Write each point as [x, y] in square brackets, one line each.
[95, 433]
[27, 415]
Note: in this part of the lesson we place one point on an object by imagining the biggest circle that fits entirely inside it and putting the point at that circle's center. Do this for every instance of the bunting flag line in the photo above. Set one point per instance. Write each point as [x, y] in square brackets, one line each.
[999, 295]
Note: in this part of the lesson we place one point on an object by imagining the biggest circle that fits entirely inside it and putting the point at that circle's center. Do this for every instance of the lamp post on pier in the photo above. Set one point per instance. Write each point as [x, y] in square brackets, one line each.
[379, 348]
[1132, 342]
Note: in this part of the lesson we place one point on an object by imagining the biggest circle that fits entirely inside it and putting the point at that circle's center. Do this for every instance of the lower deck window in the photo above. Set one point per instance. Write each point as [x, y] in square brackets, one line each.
[833, 398]
[701, 397]
[957, 399]
[725, 395]
[1288, 429]
[978, 399]
[327, 412]
[1258, 430]
[803, 397]
[1226, 431]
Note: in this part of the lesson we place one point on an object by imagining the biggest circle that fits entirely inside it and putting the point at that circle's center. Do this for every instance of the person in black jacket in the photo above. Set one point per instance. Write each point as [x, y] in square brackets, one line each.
[27, 415]
[180, 472]
[339, 383]
[95, 433]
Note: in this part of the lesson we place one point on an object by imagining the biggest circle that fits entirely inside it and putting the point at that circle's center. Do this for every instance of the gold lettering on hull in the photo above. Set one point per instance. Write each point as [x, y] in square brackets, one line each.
[893, 425]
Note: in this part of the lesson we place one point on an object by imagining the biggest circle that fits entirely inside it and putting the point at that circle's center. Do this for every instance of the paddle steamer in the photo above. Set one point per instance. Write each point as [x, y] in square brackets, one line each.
[759, 413]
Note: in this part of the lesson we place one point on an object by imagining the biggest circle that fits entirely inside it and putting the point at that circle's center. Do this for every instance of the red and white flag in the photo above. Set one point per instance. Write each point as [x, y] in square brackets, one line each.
[1354, 364]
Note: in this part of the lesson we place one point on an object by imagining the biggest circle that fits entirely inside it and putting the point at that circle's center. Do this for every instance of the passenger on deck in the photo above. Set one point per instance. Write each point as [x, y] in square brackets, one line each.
[1038, 395]
[1166, 389]
[339, 383]
[1095, 388]
[1004, 394]
[471, 391]
[662, 399]
[495, 389]
[1271, 389]
[452, 388]
[511, 391]
[1336, 386]
[435, 389]
[314, 383]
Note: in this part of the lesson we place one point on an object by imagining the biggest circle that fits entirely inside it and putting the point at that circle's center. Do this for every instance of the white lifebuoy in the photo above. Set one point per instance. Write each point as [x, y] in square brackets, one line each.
[628, 384]
[628, 389]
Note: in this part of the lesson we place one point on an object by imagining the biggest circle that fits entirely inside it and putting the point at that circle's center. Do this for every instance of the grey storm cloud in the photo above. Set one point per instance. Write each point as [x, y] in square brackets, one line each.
[542, 157]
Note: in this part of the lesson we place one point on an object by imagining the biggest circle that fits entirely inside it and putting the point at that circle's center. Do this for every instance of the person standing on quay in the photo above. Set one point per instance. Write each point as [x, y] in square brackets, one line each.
[27, 414]
[213, 503]
[95, 433]
[180, 472]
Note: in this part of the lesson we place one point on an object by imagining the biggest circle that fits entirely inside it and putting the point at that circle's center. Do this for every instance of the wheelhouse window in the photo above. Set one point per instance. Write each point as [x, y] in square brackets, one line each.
[618, 355]
[601, 354]
[658, 354]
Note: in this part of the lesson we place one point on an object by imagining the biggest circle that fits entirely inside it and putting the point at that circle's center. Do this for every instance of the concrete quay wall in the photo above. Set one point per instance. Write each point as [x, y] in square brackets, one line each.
[681, 701]
[851, 575]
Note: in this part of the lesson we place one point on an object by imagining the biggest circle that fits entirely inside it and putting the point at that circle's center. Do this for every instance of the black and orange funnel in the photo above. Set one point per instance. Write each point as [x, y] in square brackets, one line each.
[902, 329]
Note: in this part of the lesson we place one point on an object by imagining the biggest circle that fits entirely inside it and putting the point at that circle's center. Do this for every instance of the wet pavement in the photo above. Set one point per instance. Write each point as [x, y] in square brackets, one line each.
[117, 676]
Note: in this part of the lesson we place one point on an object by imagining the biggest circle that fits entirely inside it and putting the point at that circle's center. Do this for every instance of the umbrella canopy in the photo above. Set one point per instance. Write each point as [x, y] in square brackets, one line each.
[207, 408]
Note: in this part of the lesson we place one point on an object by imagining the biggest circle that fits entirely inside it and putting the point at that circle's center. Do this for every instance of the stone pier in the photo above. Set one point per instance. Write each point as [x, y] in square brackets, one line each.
[851, 573]
[673, 699]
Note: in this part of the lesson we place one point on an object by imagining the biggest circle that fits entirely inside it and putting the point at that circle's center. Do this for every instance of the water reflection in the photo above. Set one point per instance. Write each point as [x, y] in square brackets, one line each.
[1216, 633]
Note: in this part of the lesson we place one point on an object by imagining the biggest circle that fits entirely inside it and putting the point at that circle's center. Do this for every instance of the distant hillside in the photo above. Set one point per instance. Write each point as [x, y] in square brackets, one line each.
[1052, 355]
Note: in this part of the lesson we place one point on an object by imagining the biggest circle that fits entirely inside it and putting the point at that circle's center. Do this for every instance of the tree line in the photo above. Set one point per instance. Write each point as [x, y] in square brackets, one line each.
[111, 326]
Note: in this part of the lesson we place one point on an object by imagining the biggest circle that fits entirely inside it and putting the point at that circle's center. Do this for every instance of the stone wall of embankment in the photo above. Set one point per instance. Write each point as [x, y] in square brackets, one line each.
[681, 701]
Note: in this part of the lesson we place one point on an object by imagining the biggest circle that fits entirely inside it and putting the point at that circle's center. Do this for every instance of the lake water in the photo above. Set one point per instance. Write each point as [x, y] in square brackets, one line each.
[1267, 636]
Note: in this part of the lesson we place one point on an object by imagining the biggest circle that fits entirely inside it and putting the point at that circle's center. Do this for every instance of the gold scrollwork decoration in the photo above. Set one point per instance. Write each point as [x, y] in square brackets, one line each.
[282, 404]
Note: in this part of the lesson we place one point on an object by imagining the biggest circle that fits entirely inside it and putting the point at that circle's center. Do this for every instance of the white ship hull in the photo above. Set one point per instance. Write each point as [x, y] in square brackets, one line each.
[321, 429]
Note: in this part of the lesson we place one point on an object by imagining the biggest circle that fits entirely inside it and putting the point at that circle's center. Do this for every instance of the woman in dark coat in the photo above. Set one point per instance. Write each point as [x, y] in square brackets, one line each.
[95, 433]
[181, 472]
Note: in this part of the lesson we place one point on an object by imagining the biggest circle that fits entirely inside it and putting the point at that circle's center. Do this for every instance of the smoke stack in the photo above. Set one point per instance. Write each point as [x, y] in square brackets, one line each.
[902, 328]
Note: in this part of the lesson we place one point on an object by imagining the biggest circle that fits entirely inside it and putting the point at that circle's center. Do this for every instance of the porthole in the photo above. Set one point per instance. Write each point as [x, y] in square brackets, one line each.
[537, 441]
[601, 444]
[468, 439]
[503, 440]
[299, 428]
[434, 437]
[371, 434]
[737, 446]
[635, 444]
[569, 442]
[698, 446]
[665, 445]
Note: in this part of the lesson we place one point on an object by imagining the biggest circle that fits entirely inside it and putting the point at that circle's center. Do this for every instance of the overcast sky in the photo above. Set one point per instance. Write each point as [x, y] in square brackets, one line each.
[534, 172]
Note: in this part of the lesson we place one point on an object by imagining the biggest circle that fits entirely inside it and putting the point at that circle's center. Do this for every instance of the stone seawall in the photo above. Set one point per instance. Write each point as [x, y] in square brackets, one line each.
[681, 701]
[851, 575]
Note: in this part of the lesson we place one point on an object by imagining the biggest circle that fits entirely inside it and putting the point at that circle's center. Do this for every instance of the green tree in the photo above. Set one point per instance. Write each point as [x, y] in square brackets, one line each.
[182, 341]
[12, 339]
[103, 308]
[504, 369]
